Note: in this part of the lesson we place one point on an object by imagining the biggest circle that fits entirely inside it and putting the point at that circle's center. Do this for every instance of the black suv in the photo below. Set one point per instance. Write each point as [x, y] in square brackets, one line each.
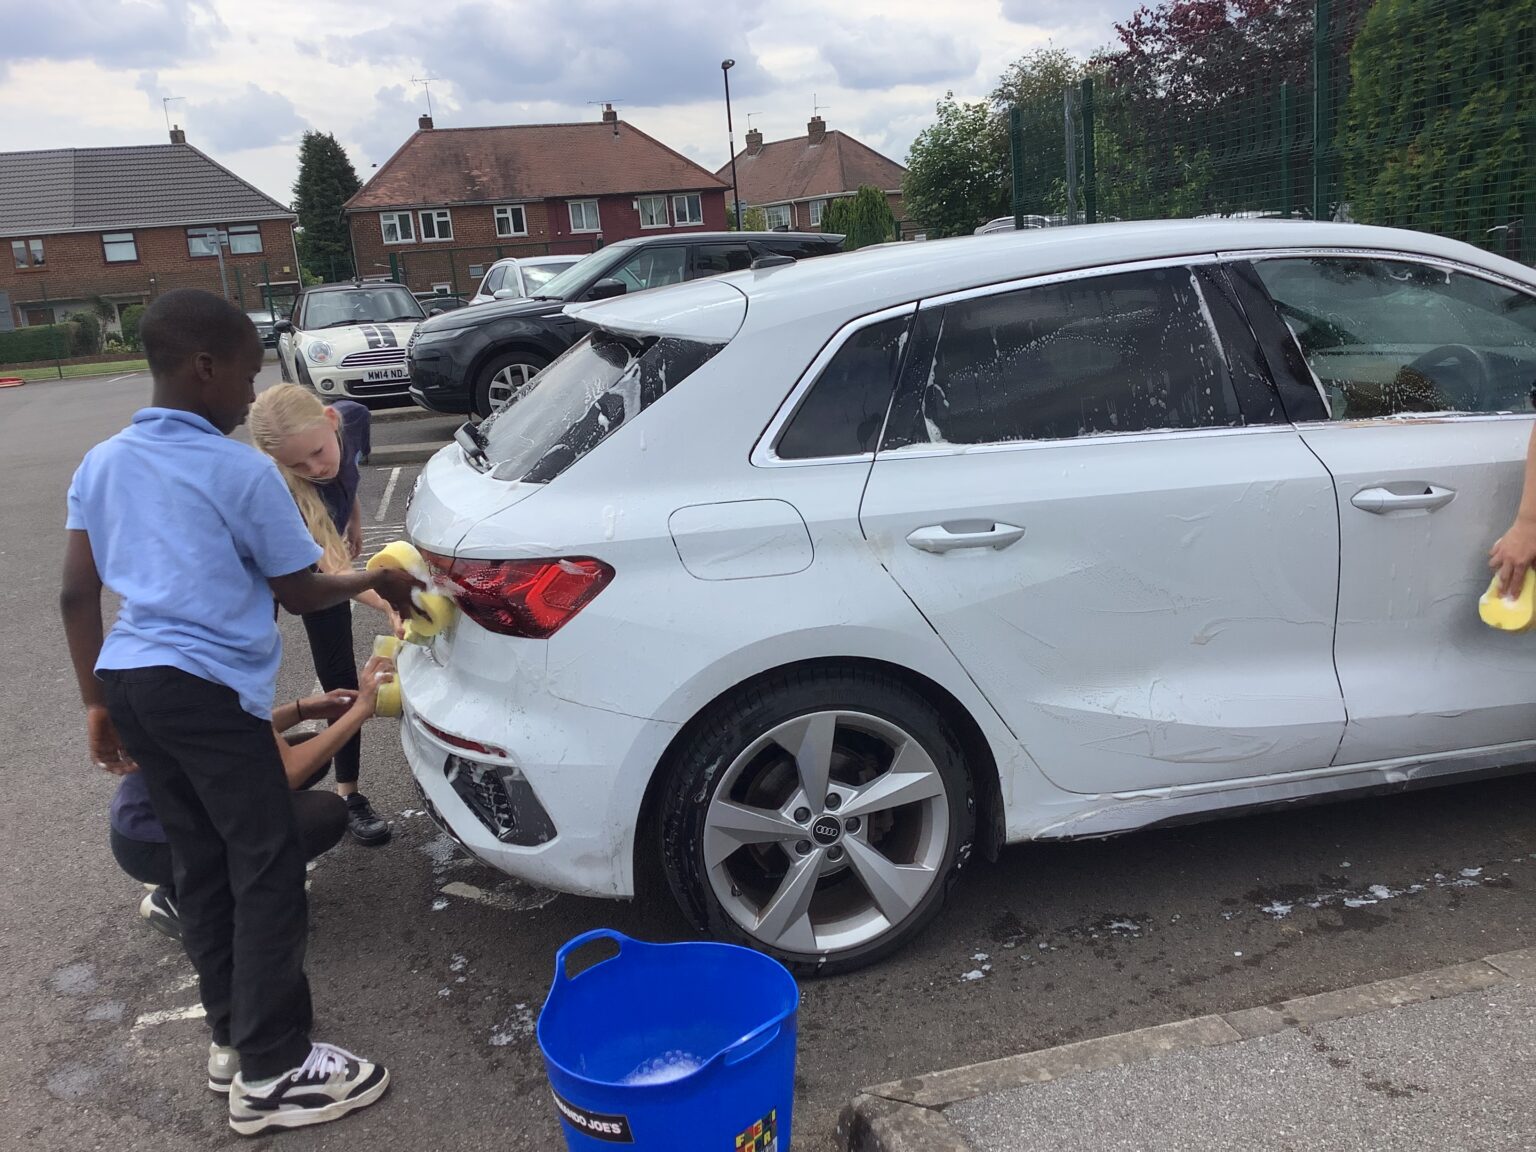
[474, 359]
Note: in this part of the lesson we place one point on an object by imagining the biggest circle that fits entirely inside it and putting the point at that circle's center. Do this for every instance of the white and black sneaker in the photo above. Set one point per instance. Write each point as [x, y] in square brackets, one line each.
[328, 1085]
[223, 1067]
[160, 913]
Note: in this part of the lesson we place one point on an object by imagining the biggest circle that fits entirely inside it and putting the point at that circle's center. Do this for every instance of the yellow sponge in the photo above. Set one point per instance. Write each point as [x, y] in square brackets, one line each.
[1509, 613]
[437, 610]
[388, 702]
[400, 554]
[387, 647]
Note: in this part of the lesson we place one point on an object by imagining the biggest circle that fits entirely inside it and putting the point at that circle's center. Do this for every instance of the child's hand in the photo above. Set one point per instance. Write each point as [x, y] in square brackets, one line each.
[355, 539]
[377, 671]
[106, 749]
[1511, 555]
[331, 706]
[396, 625]
[396, 586]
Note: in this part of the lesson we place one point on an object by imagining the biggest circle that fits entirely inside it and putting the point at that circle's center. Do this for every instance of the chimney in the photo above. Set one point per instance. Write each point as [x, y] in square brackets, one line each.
[754, 142]
[424, 123]
[816, 130]
[178, 136]
[609, 115]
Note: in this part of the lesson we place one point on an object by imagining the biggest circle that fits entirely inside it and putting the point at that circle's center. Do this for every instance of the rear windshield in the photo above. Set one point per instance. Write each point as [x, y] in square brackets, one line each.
[582, 398]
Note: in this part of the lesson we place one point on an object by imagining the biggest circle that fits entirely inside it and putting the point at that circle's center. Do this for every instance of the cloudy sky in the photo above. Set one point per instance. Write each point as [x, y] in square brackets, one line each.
[251, 75]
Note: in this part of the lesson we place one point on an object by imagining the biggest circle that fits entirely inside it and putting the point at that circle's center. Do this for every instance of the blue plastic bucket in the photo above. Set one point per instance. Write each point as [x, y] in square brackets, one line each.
[671, 1047]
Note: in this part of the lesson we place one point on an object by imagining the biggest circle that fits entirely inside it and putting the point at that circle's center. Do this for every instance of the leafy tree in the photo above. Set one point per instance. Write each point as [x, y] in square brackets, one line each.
[863, 218]
[752, 219]
[1433, 133]
[1036, 84]
[132, 315]
[84, 333]
[326, 181]
[954, 179]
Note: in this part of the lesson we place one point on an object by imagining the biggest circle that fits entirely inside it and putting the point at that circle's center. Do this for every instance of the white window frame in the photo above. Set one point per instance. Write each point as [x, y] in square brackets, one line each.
[118, 239]
[640, 204]
[817, 207]
[789, 215]
[244, 231]
[686, 219]
[442, 289]
[571, 206]
[504, 215]
[388, 218]
[441, 218]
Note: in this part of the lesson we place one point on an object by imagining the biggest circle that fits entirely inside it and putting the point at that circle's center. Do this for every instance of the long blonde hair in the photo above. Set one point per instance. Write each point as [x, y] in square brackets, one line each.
[283, 411]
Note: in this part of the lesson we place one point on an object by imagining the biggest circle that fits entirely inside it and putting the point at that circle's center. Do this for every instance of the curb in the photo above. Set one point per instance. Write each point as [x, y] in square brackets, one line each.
[393, 454]
[907, 1115]
[406, 412]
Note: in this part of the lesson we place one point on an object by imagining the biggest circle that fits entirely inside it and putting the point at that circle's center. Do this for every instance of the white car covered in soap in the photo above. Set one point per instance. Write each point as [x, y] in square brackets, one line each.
[803, 586]
[347, 341]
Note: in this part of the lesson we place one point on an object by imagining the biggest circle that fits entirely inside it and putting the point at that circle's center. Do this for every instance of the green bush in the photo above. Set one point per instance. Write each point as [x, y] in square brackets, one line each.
[84, 334]
[40, 342]
[131, 317]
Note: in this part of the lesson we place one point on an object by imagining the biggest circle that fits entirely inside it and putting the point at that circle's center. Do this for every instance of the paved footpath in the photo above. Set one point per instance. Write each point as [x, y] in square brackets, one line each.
[1440, 1060]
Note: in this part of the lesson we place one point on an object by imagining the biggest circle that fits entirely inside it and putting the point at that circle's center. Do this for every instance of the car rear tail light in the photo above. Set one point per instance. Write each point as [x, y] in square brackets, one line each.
[529, 598]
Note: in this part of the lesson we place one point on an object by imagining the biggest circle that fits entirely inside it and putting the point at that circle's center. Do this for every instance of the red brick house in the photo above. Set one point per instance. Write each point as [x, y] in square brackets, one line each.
[792, 180]
[122, 225]
[453, 200]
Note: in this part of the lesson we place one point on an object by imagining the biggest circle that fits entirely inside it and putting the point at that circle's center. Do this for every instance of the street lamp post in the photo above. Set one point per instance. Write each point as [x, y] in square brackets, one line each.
[730, 132]
[219, 240]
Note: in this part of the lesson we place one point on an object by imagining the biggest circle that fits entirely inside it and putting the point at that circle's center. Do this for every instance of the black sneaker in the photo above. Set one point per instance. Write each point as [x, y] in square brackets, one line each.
[364, 823]
[160, 913]
[328, 1085]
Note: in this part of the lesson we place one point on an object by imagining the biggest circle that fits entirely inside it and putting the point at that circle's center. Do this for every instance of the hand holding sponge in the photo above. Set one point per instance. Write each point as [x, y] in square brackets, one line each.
[436, 609]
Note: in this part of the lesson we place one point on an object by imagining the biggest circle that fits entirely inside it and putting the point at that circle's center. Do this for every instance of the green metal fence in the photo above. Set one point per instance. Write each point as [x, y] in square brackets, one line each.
[1412, 113]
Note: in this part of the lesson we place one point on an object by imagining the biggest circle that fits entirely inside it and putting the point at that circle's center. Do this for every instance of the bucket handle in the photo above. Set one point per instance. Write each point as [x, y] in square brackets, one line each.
[581, 941]
[753, 1042]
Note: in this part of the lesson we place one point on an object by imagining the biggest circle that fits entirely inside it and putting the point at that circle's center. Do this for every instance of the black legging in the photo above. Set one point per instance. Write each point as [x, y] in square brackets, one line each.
[330, 646]
[321, 816]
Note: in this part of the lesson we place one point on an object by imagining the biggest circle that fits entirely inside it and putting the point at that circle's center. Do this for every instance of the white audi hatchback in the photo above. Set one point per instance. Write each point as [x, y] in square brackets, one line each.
[804, 585]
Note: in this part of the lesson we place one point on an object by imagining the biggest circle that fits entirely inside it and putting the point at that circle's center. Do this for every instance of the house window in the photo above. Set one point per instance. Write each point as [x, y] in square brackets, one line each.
[437, 225]
[27, 253]
[584, 216]
[244, 239]
[688, 209]
[778, 215]
[511, 221]
[442, 289]
[653, 212]
[200, 243]
[119, 248]
[817, 208]
[397, 227]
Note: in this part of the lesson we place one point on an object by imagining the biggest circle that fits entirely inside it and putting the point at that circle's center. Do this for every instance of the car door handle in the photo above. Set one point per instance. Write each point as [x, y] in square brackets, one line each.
[1382, 500]
[941, 538]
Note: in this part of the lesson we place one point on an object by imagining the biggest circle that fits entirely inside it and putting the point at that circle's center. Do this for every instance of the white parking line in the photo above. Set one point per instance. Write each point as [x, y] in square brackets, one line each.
[149, 1019]
[389, 493]
[130, 376]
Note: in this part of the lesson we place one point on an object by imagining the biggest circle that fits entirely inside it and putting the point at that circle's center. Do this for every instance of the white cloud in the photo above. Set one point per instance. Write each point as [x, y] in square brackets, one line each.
[887, 54]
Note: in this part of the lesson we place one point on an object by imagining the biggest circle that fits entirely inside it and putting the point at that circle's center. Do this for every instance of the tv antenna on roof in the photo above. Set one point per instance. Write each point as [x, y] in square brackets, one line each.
[815, 107]
[165, 106]
[749, 119]
[427, 82]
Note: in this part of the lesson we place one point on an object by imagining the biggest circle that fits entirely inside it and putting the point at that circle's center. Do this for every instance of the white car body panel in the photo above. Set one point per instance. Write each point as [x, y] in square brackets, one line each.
[1161, 638]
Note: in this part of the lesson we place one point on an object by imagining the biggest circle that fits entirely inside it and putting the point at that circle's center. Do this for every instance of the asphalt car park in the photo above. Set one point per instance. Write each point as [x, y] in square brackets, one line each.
[439, 965]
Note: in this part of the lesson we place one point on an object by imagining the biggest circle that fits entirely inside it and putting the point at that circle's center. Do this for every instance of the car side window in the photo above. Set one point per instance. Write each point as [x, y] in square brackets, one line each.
[493, 280]
[653, 268]
[1396, 337]
[1130, 352]
[842, 413]
[714, 259]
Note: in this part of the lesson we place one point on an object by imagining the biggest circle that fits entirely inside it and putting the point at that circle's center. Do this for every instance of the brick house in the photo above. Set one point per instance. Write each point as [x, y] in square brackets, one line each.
[792, 180]
[451, 201]
[78, 225]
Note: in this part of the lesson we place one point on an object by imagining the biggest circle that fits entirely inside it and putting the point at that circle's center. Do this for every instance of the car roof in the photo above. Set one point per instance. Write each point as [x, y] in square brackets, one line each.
[565, 257]
[888, 275]
[350, 286]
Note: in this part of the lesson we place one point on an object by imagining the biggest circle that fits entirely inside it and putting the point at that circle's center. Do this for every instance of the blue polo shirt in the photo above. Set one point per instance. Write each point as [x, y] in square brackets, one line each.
[186, 526]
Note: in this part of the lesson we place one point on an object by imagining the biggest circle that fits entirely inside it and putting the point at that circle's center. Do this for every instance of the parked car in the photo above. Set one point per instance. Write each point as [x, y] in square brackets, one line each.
[476, 359]
[264, 321]
[931, 549]
[435, 302]
[520, 276]
[347, 341]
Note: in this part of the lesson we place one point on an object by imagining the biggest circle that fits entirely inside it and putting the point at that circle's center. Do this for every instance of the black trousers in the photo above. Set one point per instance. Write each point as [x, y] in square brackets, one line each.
[216, 780]
[321, 818]
[330, 646]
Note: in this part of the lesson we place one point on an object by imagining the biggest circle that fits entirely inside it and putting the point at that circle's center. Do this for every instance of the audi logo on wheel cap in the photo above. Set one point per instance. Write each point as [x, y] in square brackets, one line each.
[826, 830]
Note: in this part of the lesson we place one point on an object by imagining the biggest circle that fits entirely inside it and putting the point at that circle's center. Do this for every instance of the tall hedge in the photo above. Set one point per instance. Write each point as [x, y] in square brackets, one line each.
[864, 218]
[131, 317]
[1436, 132]
[39, 342]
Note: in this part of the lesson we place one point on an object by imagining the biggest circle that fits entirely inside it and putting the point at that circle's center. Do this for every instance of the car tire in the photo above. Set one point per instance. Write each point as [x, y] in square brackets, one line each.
[749, 860]
[502, 375]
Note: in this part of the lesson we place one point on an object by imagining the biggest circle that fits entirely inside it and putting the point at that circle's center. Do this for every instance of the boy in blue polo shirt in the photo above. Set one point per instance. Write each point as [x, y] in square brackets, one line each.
[197, 533]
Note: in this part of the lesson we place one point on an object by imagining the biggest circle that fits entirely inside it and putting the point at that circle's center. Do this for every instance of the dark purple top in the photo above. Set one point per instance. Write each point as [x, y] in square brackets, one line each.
[341, 493]
[133, 815]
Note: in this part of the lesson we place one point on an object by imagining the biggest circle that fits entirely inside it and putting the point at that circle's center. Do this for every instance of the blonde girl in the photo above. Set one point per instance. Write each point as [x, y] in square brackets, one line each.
[317, 449]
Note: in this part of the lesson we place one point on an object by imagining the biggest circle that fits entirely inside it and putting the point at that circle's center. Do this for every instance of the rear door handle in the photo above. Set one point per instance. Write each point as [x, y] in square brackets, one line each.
[941, 538]
[1382, 500]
